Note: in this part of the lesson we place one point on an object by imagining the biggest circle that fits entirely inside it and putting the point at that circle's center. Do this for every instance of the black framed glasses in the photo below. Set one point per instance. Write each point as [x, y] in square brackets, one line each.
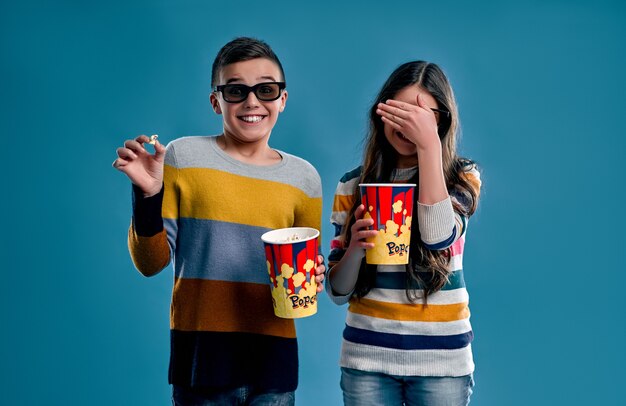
[443, 114]
[236, 93]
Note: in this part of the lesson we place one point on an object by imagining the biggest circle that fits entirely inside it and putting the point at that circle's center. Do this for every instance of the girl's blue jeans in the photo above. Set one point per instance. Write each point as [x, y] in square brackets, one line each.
[362, 388]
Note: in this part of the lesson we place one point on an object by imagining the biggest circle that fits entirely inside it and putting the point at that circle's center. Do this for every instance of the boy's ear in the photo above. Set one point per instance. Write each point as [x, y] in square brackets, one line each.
[283, 100]
[214, 103]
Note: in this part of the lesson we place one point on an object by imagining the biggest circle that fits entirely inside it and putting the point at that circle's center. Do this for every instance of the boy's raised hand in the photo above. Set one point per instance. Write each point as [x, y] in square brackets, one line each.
[144, 169]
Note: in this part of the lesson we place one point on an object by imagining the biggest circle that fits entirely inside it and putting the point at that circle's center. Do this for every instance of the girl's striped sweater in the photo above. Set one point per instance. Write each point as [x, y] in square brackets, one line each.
[385, 332]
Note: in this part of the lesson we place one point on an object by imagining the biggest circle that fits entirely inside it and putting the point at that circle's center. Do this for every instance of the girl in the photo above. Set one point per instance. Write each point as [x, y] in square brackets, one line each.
[408, 337]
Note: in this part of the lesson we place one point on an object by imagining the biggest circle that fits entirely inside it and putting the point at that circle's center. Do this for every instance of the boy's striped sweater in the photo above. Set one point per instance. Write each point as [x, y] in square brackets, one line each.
[214, 210]
[387, 333]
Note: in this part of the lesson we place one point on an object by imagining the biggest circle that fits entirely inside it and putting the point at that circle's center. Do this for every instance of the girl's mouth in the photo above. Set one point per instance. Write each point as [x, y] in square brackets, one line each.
[403, 138]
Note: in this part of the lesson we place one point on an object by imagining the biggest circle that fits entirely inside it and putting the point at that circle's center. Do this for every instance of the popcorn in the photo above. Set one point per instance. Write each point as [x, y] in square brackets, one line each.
[294, 237]
[397, 206]
[298, 279]
[391, 227]
[153, 139]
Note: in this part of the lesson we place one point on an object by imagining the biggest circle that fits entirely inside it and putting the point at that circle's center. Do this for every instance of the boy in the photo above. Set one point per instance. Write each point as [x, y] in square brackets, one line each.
[204, 202]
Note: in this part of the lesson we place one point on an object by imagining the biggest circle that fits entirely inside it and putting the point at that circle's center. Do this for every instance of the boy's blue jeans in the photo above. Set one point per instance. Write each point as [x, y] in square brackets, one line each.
[362, 388]
[244, 395]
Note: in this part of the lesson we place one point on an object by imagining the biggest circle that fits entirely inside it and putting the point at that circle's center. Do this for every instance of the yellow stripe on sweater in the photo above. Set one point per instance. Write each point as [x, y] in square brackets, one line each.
[201, 193]
[409, 312]
[343, 202]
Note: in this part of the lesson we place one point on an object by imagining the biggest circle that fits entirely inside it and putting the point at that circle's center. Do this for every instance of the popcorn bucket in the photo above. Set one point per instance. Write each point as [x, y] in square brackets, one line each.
[290, 255]
[391, 207]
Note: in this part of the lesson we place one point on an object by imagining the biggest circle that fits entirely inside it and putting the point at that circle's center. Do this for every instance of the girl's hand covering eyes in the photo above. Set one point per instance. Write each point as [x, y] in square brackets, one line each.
[417, 123]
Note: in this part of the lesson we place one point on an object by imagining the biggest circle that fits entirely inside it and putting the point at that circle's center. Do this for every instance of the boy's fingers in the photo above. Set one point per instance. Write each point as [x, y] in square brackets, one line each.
[159, 149]
[119, 163]
[135, 146]
[320, 261]
[142, 139]
[126, 154]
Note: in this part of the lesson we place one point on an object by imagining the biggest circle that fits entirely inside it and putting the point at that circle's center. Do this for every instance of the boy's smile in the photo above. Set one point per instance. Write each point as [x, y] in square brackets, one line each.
[252, 119]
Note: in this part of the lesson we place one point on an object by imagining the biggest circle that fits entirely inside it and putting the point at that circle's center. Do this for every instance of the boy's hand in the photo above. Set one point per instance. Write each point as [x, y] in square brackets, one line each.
[320, 273]
[145, 170]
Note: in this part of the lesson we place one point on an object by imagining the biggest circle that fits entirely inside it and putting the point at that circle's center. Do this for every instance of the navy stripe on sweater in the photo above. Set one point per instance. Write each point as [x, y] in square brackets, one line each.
[398, 280]
[443, 244]
[407, 342]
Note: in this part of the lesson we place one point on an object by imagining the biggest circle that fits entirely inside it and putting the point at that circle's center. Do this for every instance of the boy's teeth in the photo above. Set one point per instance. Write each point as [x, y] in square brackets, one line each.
[252, 119]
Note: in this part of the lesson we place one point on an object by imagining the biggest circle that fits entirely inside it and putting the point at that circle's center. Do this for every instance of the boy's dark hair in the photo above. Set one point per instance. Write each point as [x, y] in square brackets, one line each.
[243, 49]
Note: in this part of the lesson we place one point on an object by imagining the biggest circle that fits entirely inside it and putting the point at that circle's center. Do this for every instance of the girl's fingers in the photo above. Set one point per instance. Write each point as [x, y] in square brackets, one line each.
[361, 225]
[364, 222]
[362, 235]
[390, 116]
[392, 123]
[398, 109]
[366, 245]
[399, 104]
[421, 102]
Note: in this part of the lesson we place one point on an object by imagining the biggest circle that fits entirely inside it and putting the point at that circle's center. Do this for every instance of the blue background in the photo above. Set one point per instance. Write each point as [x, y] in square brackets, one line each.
[540, 87]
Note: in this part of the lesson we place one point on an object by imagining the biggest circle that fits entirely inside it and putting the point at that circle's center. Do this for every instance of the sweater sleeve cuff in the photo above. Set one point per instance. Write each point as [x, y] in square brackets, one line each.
[334, 296]
[147, 217]
[436, 222]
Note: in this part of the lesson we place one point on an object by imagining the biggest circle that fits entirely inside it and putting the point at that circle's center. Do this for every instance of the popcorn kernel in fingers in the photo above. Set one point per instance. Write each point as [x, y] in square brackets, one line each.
[153, 139]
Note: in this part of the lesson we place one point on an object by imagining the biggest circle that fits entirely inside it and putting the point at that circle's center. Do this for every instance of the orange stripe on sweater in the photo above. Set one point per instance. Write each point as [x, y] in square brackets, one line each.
[409, 312]
[149, 254]
[343, 203]
[226, 307]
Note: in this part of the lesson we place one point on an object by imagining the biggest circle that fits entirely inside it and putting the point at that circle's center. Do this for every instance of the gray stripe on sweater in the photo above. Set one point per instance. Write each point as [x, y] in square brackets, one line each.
[203, 152]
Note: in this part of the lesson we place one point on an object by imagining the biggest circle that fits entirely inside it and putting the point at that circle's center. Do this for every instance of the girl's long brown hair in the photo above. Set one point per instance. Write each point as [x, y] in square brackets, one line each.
[427, 269]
